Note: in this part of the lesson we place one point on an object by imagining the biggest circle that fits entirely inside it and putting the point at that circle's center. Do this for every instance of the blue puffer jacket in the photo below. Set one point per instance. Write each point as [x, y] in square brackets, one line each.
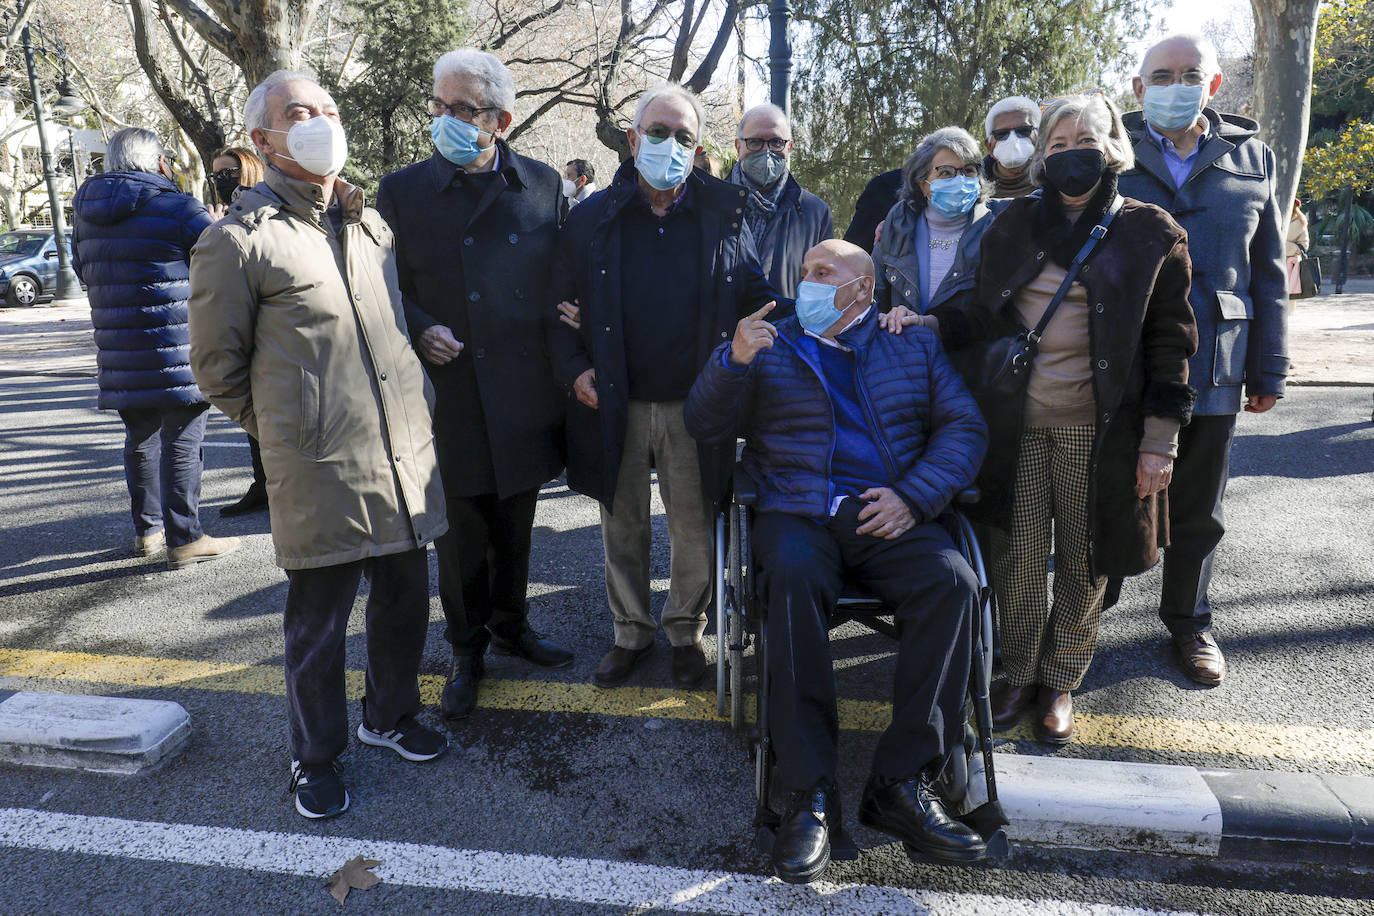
[132, 247]
[932, 434]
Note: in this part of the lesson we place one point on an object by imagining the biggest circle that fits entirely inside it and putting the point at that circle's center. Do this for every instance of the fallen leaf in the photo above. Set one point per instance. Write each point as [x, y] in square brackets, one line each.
[354, 874]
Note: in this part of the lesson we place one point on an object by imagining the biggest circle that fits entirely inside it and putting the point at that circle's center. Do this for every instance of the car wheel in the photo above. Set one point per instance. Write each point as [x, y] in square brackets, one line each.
[23, 291]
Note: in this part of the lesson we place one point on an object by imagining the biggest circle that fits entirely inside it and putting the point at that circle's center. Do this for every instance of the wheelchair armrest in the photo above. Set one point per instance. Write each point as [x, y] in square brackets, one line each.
[746, 488]
[968, 497]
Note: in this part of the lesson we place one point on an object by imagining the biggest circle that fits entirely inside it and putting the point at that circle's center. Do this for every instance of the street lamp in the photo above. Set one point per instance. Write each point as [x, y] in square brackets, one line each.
[780, 55]
[68, 286]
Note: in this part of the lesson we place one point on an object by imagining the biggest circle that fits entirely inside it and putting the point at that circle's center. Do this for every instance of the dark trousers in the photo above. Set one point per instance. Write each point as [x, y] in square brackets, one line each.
[318, 602]
[933, 592]
[1196, 524]
[255, 455]
[484, 568]
[162, 467]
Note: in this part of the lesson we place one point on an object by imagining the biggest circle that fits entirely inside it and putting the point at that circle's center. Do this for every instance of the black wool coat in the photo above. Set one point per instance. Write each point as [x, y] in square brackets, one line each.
[497, 405]
[587, 269]
[1141, 333]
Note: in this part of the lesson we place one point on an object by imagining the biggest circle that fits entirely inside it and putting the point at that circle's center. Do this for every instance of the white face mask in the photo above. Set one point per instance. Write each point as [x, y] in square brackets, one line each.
[569, 188]
[317, 145]
[1014, 151]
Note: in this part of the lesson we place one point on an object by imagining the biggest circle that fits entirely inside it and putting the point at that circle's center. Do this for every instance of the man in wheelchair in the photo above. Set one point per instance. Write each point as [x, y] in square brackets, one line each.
[859, 440]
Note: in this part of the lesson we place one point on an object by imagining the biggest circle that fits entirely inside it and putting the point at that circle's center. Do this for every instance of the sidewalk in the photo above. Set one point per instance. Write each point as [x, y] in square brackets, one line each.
[48, 341]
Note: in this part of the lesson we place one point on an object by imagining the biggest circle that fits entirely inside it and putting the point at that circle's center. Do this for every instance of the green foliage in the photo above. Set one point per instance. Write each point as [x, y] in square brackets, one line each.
[382, 75]
[1346, 162]
[1343, 67]
[877, 75]
[1330, 227]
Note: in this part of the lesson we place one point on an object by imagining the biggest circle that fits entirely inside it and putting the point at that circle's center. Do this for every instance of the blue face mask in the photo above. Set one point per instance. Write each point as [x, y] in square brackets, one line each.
[816, 310]
[456, 140]
[955, 196]
[664, 164]
[1172, 107]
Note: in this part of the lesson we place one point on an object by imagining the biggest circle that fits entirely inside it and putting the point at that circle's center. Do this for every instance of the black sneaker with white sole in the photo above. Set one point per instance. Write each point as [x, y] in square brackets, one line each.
[319, 789]
[409, 738]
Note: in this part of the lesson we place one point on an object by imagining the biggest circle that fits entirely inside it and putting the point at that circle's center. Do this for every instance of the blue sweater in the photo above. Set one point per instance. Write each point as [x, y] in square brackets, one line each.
[132, 239]
[857, 462]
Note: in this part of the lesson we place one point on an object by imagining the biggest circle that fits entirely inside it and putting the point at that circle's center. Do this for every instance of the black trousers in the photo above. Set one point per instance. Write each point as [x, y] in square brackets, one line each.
[255, 456]
[484, 568]
[933, 591]
[318, 602]
[1196, 524]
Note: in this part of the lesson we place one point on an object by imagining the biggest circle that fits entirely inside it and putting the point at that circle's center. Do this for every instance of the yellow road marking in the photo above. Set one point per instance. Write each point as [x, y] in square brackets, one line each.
[1250, 739]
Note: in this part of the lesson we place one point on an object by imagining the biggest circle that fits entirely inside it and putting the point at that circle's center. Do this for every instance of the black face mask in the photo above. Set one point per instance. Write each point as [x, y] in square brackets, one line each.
[225, 188]
[1075, 172]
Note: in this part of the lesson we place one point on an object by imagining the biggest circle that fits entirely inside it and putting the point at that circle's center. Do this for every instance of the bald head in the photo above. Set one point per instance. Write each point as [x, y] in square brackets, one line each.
[1185, 58]
[848, 267]
[1198, 49]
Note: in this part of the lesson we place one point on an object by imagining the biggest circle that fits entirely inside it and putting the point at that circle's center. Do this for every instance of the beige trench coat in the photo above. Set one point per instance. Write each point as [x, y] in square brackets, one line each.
[298, 335]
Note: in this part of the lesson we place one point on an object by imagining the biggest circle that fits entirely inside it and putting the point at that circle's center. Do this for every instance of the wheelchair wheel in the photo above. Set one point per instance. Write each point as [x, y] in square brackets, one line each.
[735, 617]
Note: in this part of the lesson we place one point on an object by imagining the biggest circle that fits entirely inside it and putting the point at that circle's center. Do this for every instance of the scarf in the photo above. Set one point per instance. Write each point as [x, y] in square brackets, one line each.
[761, 205]
[1061, 238]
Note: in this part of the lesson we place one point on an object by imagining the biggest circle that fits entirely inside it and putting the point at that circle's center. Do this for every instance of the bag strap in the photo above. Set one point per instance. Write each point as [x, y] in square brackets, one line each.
[1097, 234]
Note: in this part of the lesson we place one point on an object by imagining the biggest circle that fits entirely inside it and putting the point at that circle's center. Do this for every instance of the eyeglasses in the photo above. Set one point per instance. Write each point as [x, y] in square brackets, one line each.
[437, 107]
[1193, 77]
[1024, 131]
[226, 173]
[660, 132]
[949, 171]
[776, 144]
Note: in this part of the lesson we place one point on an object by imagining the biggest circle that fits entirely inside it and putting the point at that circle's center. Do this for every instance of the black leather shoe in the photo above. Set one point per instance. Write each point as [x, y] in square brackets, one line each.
[252, 501]
[801, 848]
[460, 690]
[534, 647]
[617, 664]
[912, 812]
[689, 664]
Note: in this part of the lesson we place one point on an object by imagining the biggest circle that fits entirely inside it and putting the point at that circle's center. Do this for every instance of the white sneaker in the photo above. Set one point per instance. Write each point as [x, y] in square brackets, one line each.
[198, 551]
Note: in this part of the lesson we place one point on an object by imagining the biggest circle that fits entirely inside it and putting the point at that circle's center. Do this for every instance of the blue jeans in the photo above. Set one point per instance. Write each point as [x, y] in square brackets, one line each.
[162, 466]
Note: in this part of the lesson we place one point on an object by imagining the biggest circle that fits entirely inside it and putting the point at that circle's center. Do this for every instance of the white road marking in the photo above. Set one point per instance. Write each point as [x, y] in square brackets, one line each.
[589, 881]
[205, 444]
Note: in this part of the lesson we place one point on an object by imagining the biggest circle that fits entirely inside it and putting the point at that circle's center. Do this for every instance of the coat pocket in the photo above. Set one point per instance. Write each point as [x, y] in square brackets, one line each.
[1233, 331]
[310, 414]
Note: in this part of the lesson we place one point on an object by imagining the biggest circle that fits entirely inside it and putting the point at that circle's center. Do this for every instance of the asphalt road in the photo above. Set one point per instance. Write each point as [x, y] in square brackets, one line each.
[641, 798]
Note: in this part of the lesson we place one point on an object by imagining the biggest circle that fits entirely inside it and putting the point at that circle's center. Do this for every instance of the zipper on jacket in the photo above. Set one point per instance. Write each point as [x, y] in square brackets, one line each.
[830, 457]
[888, 460]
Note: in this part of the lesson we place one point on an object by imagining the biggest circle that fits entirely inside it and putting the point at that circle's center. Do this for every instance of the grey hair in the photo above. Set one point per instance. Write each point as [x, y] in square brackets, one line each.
[1011, 103]
[255, 109]
[1207, 52]
[497, 85]
[1096, 110]
[133, 149]
[765, 108]
[917, 165]
[668, 90]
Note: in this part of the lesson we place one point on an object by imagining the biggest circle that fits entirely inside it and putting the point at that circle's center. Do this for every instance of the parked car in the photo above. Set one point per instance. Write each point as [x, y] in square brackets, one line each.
[28, 266]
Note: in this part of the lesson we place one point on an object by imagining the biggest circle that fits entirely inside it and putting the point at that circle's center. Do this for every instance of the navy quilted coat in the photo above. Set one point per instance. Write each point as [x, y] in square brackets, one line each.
[933, 436]
[132, 247]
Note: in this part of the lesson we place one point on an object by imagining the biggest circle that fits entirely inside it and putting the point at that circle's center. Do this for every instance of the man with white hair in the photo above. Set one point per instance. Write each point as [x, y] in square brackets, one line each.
[1214, 175]
[662, 267]
[297, 333]
[132, 240]
[475, 228]
[785, 220]
[1011, 128]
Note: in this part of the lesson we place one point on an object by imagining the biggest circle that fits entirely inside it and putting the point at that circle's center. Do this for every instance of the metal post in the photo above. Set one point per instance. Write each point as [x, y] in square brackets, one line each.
[67, 286]
[780, 55]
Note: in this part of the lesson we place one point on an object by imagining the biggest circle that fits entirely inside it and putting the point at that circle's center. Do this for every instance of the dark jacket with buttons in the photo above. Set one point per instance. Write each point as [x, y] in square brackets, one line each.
[1141, 334]
[587, 269]
[481, 267]
[929, 430]
[132, 238]
[801, 221]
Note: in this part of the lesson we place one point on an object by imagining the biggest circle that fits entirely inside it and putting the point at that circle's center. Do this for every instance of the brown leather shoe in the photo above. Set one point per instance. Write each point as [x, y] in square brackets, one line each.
[1200, 658]
[1009, 702]
[689, 664]
[1054, 716]
[617, 664]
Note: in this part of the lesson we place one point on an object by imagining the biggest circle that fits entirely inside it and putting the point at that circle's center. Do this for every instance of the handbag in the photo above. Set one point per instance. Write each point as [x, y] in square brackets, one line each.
[1309, 275]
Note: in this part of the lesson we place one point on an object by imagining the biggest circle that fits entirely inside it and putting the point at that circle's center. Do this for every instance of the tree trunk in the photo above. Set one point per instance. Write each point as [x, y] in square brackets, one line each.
[1285, 36]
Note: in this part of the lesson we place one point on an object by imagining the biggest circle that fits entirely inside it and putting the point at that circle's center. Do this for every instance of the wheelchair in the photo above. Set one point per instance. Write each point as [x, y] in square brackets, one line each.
[740, 623]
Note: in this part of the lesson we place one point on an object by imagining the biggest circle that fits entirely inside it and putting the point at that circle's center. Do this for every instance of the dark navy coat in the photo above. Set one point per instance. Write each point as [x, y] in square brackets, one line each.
[931, 433]
[132, 237]
[801, 222]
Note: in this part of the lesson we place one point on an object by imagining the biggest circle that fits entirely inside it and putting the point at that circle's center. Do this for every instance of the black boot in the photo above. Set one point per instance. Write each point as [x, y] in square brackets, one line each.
[252, 501]
[460, 690]
[801, 849]
[912, 812]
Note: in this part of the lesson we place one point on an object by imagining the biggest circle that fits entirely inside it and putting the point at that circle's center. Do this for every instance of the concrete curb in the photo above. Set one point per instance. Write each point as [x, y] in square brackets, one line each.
[1244, 815]
[95, 734]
